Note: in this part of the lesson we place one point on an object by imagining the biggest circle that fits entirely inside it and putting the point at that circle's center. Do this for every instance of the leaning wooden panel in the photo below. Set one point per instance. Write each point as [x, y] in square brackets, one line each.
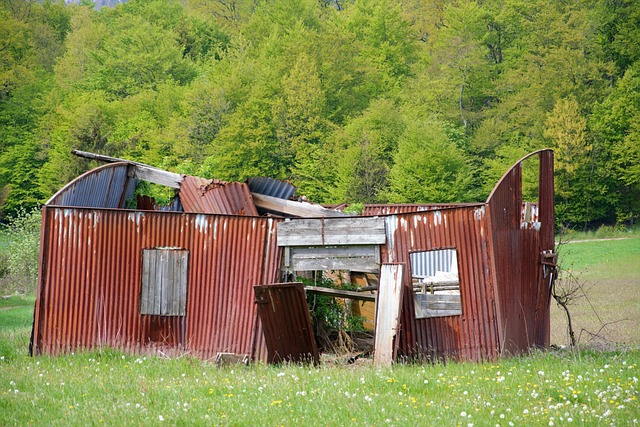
[388, 314]
[284, 314]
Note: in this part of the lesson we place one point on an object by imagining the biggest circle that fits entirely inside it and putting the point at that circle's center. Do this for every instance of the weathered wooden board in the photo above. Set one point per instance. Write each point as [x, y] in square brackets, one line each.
[290, 207]
[332, 231]
[164, 282]
[364, 258]
[158, 176]
[388, 314]
[436, 305]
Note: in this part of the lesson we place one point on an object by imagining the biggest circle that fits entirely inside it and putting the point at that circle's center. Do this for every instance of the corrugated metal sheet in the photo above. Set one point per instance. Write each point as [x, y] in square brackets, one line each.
[272, 187]
[378, 209]
[90, 281]
[473, 335]
[504, 296]
[522, 288]
[427, 263]
[200, 195]
[284, 315]
[107, 186]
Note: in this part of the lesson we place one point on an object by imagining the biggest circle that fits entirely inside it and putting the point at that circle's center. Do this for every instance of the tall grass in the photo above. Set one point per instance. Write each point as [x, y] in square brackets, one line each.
[602, 232]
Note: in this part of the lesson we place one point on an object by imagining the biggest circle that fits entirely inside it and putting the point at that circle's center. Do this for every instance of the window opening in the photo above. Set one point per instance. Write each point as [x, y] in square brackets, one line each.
[436, 283]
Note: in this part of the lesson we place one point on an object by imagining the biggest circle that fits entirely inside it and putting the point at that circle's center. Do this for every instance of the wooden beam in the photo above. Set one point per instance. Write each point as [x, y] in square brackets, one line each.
[436, 305]
[157, 176]
[339, 293]
[140, 170]
[289, 207]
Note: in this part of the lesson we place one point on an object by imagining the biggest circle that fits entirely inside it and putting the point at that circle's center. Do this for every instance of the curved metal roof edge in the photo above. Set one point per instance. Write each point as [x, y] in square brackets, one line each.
[78, 179]
[516, 164]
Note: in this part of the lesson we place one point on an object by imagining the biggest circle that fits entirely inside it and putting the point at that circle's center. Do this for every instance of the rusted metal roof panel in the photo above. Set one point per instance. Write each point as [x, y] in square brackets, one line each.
[472, 335]
[107, 186]
[91, 278]
[199, 195]
[519, 242]
[272, 187]
[284, 315]
[378, 209]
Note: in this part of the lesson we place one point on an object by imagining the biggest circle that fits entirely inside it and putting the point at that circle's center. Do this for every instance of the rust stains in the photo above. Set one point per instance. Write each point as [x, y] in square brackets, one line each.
[216, 197]
[283, 311]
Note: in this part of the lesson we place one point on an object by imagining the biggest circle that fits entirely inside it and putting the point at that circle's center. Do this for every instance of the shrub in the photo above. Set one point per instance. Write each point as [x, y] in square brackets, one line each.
[23, 231]
[332, 322]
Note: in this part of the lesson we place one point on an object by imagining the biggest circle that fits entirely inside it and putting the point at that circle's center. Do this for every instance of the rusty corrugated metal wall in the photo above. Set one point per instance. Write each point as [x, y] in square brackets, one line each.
[379, 209]
[523, 290]
[473, 335]
[90, 280]
[504, 294]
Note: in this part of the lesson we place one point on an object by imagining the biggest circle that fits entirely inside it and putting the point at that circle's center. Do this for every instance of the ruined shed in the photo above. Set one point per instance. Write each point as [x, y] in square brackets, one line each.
[110, 276]
[460, 281]
[477, 276]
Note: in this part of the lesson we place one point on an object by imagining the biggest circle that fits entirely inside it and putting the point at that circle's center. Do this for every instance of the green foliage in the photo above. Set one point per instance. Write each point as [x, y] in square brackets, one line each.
[354, 208]
[429, 167]
[161, 195]
[369, 101]
[23, 235]
[364, 153]
[327, 315]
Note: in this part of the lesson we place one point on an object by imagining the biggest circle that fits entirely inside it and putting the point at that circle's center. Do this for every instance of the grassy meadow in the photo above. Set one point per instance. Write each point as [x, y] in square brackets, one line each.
[608, 270]
[595, 385]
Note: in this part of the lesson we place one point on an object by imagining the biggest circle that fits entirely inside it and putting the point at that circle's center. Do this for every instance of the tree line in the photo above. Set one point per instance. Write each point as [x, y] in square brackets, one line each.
[358, 101]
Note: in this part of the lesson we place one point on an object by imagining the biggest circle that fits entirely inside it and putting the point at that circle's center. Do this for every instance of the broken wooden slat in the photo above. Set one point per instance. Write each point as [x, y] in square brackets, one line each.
[339, 293]
[332, 231]
[388, 314]
[157, 176]
[289, 207]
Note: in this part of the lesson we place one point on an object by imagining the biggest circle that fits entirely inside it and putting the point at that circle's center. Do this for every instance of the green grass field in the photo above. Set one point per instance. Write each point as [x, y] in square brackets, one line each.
[585, 387]
[609, 271]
